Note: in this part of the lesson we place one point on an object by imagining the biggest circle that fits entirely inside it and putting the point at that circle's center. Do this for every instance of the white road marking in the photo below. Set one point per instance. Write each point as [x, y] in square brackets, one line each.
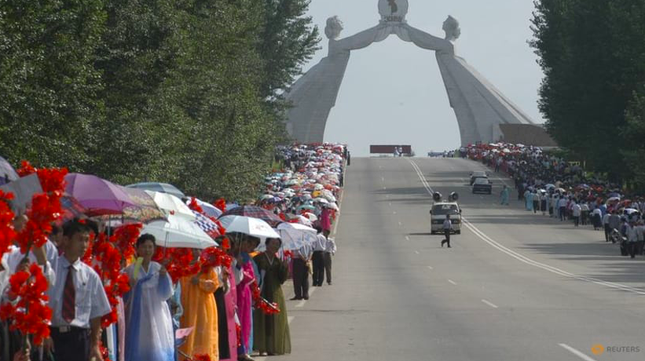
[393, 212]
[527, 260]
[384, 188]
[390, 203]
[546, 267]
[400, 224]
[417, 252]
[301, 304]
[490, 304]
[430, 268]
[576, 352]
[382, 179]
[407, 238]
[452, 282]
[312, 290]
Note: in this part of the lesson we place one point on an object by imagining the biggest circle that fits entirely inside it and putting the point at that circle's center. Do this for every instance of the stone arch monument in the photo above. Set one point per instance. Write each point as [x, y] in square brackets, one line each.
[480, 108]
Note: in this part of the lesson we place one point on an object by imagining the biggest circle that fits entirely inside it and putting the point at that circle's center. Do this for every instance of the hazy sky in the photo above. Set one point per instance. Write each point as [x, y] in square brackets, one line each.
[393, 92]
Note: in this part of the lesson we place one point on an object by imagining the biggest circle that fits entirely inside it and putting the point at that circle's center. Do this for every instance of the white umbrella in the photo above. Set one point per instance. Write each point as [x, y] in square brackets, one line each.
[208, 208]
[312, 217]
[178, 232]
[295, 236]
[247, 225]
[172, 205]
[303, 220]
[332, 206]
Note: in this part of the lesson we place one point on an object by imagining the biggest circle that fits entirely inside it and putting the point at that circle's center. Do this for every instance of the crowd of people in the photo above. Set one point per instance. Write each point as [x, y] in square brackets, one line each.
[550, 185]
[224, 302]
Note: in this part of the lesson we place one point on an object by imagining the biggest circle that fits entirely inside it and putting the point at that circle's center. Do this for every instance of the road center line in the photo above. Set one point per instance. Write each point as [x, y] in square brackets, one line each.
[576, 352]
[490, 304]
[452, 282]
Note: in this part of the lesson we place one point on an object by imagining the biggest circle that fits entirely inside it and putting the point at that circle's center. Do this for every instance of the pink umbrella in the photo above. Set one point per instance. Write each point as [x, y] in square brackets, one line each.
[98, 196]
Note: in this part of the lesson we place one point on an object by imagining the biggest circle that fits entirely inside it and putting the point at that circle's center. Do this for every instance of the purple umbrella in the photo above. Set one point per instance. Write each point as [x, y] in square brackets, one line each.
[98, 196]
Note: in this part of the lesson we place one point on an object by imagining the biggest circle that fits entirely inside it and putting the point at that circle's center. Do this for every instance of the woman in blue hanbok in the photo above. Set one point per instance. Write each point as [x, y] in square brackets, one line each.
[149, 332]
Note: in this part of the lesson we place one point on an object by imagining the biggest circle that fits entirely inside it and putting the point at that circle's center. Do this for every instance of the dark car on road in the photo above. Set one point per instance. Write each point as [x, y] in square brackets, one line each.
[477, 174]
[482, 185]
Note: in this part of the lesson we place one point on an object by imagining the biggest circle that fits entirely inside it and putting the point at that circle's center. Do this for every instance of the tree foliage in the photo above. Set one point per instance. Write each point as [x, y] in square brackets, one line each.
[179, 91]
[592, 54]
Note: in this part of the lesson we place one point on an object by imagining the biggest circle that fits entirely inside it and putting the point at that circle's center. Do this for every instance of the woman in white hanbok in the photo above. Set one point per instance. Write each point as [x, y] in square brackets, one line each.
[149, 332]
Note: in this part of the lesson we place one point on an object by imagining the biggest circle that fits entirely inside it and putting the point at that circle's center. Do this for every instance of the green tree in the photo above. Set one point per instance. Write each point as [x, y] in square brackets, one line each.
[592, 56]
[288, 41]
[48, 84]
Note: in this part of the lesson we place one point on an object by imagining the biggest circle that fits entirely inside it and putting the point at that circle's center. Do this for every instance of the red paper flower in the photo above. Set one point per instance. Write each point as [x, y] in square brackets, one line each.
[220, 204]
[195, 206]
[178, 261]
[260, 303]
[7, 232]
[213, 257]
[30, 315]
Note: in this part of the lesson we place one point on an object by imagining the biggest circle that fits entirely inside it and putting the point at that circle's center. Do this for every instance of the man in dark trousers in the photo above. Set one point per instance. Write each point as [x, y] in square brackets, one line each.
[447, 228]
[76, 330]
[318, 258]
[301, 272]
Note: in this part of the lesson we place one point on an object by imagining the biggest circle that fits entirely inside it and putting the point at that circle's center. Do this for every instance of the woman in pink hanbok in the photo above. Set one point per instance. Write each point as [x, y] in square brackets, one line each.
[244, 277]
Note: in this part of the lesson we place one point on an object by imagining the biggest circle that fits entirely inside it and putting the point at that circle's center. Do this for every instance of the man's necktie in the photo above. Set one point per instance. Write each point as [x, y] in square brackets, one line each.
[69, 297]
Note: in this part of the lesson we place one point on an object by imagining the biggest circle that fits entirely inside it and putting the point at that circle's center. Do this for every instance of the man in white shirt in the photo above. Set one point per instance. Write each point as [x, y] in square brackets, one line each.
[447, 228]
[632, 239]
[576, 210]
[318, 258]
[77, 299]
[605, 223]
[330, 250]
[300, 272]
[562, 208]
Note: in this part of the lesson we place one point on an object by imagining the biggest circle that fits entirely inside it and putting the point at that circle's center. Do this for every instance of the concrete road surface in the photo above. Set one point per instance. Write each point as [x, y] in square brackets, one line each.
[514, 286]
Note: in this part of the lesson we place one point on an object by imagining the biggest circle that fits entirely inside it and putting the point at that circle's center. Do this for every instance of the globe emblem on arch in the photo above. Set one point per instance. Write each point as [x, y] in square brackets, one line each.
[393, 10]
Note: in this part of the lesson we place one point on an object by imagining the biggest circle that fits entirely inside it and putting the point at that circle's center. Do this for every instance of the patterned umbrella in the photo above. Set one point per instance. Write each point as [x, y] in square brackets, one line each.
[255, 212]
[71, 209]
[207, 225]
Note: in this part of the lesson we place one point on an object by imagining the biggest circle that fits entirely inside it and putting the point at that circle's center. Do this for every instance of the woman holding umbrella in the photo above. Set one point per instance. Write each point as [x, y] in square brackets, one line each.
[271, 332]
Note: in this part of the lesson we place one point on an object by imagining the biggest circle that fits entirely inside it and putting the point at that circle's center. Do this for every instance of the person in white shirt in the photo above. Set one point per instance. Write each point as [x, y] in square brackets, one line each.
[605, 223]
[632, 239]
[640, 234]
[318, 258]
[447, 228]
[330, 250]
[300, 272]
[77, 299]
[562, 208]
[576, 210]
[584, 216]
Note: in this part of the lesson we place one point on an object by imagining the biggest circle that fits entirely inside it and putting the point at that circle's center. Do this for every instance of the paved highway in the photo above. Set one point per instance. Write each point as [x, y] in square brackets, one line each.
[514, 286]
